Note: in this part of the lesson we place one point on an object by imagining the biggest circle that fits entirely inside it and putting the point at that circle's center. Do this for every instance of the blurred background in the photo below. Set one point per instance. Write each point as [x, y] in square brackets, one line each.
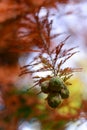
[22, 110]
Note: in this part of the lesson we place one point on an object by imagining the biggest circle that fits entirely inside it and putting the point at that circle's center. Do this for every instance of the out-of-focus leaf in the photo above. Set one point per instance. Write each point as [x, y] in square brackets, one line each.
[72, 105]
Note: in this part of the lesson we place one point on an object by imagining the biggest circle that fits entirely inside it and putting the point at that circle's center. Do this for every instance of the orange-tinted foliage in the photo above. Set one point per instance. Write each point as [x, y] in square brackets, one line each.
[15, 17]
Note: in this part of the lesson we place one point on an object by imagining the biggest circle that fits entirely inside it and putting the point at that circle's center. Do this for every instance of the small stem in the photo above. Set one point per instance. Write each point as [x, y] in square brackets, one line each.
[45, 43]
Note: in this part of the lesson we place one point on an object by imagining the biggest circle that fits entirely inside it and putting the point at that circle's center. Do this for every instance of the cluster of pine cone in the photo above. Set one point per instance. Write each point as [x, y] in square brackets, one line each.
[56, 90]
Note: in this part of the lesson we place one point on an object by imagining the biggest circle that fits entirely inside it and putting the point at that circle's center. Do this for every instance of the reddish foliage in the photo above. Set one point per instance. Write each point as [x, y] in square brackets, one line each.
[14, 42]
[84, 106]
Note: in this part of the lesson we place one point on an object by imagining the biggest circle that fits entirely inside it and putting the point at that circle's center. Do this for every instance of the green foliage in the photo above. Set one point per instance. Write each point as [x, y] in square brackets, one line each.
[24, 111]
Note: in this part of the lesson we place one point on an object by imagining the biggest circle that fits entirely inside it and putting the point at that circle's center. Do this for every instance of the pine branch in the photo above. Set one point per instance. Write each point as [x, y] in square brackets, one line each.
[50, 60]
